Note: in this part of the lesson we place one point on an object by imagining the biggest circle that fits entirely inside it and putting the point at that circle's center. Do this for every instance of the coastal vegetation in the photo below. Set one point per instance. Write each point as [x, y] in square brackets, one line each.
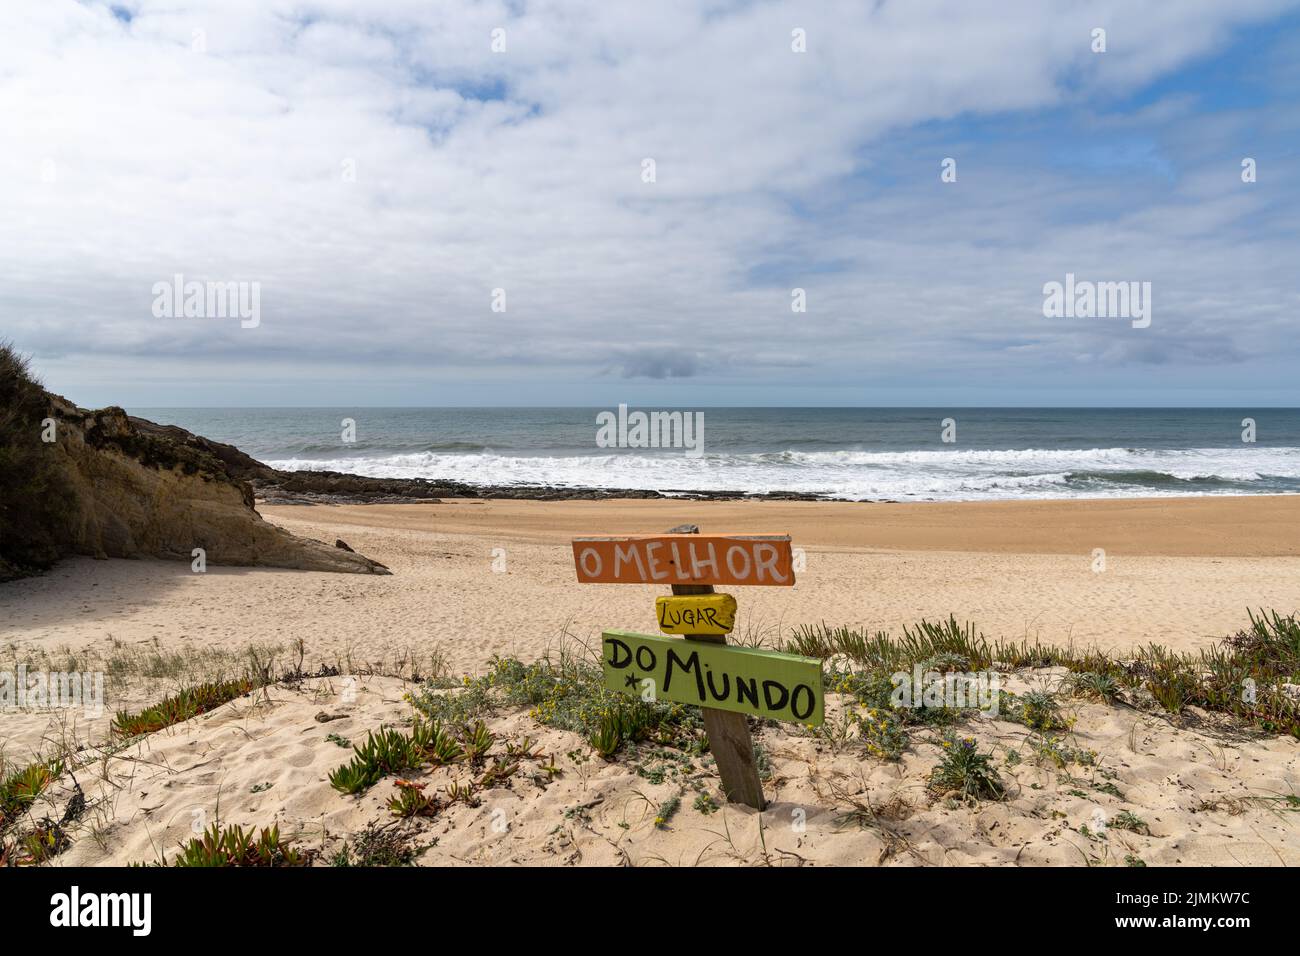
[237, 846]
[186, 703]
[1252, 675]
[1245, 684]
[34, 494]
[566, 691]
[20, 787]
[390, 751]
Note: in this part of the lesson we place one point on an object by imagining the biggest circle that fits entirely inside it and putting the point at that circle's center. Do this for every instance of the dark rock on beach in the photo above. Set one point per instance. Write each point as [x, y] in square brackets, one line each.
[332, 487]
[237, 464]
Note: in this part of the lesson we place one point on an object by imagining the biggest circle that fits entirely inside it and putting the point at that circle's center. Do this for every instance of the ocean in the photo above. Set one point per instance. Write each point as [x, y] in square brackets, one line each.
[856, 453]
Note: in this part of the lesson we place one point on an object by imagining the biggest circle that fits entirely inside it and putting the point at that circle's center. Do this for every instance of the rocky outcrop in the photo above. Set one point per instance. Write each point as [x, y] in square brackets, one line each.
[333, 487]
[135, 489]
[238, 464]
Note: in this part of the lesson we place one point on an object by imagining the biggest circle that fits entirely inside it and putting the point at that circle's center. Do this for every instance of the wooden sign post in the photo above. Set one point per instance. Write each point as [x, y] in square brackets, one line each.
[727, 682]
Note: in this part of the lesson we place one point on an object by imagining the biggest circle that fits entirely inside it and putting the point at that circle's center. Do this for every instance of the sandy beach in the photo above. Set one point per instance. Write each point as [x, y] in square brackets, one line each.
[473, 579]
[587, 435]
[1180, 572]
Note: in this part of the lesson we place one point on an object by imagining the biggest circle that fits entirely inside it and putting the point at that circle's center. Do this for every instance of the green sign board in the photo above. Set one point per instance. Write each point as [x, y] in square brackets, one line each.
[742, 679]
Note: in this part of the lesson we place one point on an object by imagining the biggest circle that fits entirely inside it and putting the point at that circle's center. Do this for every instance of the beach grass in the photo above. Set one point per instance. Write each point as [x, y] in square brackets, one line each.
[1251, 675]
[188, 702]
[20, 787]
[564, 691]
[1248, 677]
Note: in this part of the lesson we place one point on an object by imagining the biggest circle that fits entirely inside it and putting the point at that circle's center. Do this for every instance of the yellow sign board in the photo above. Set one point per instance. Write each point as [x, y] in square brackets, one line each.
[696, 613]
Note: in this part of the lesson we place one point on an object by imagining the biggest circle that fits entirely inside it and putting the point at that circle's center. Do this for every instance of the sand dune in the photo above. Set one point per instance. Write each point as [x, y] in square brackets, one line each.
[1181, 573]
[1204, 799]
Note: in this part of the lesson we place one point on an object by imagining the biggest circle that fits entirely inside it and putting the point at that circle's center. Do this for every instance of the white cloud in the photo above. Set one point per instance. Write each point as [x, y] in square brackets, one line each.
[521, 170]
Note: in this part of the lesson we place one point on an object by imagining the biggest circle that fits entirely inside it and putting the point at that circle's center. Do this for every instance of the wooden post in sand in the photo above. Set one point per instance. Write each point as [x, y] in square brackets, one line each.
[725, 683]
[728, 732]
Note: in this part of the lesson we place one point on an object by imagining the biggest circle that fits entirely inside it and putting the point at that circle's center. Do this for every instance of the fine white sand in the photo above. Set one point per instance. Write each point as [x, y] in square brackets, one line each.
[1198, 793]
[1180, 574]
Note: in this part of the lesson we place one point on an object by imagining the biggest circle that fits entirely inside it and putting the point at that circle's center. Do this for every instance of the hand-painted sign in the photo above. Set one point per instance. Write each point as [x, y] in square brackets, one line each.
[696, 614]
[725, 682]
[685, 559]
[746, 680]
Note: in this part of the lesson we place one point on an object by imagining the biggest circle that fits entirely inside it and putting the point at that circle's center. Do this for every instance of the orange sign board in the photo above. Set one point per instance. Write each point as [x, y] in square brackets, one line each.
[685, 559]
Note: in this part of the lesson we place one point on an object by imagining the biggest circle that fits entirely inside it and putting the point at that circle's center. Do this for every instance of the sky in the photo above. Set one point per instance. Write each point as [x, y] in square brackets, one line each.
[451, 203]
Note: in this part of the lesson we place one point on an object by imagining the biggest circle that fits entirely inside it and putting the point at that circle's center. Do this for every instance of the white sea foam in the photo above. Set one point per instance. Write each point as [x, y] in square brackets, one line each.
[952, 474]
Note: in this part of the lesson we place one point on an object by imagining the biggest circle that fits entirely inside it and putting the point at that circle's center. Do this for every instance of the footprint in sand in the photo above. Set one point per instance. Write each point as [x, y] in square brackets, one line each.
[303, 758]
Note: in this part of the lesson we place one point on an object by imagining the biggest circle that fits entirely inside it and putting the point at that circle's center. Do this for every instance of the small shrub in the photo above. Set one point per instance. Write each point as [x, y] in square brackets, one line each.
[476, 741]
[378, 846]
[354, 777]
[705, 804]
[1127, 820]
[440, 747]
[1094, 685]
[1058, 751]
[466, 793]
[569, 694]
[874, 689]
[966, 771]
[1036, 709]
[525, 749]
[1170, 677]
[497, 774]
[388, 751]
[945, 663]
[20, 788]
[667, 810]
[42, 844]
[881, 732]
[187, 703]
[235, 846]
[613, 730]
[410, 801]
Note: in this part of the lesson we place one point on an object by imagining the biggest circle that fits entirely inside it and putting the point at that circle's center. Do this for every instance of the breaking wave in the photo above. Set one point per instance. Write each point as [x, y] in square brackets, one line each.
[951, 475]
